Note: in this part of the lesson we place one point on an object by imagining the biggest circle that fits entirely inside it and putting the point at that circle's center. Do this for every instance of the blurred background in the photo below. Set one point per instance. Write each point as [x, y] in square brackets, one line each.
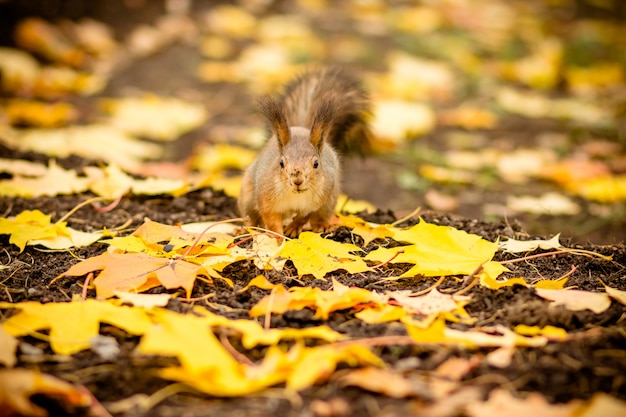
[487, 109]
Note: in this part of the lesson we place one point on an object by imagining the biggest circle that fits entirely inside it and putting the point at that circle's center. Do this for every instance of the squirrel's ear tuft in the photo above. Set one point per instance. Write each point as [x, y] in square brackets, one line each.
[322, 120]
[274, 112]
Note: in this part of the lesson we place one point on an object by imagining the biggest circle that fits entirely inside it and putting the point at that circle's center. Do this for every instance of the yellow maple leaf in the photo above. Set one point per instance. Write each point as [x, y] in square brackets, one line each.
[381, 314]
[312, 254]
[259, 281]
[159, 118]
[319, 363]
[68, 336]
[606, 189]
[53, 181]
[324, 302]
[30, 225]
[112, 182]
[188, 338]
[440, 250]
[253, 334]
[368, 231]
[551, 332]
[39, 113]
[139, 272]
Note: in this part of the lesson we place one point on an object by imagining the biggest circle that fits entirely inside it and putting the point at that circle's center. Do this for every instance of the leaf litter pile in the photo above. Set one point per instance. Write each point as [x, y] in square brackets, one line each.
[431, 316]
[128, 287]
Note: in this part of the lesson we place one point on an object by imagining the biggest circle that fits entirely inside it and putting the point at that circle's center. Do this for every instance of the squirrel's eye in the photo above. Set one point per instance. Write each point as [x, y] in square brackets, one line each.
[282, 163]
[316, 163]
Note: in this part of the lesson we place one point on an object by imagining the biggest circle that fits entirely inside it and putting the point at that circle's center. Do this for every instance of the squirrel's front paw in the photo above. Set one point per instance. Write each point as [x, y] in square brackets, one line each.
[294, 228]
[327, 225]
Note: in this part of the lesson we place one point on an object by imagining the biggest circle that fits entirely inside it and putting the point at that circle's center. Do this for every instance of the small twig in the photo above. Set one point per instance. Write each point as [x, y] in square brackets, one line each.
[240, 357]
[472, 279]
[388, 260]
[108, 208]
[78, 207]
[206, 229]
[571, 271]
[558, 252]
[376, 341]
[193, 300]
[429, 289]
[407, 217]
[86, 286]
[268, 313]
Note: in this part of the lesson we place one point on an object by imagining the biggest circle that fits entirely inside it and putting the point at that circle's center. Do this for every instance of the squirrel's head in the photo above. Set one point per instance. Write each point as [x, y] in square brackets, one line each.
[300, 149]
[300, 162]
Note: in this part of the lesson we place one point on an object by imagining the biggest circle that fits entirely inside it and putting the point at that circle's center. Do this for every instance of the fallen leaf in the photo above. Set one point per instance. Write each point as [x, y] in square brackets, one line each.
[97, 142]
[70, 336]
[158, 118]
[549, 203]
[317, 364]
[602, 404]
[607, 189]
[382, 381]
[468, 118]
[219, 157]
[53, 181]
[433, 302]
[496, 284]
[112, 182]
[139, 272]
[41, 37]
[552, 333]
[30, 225]
[8, 345]
[340, 297]
[576, 300]
[502, 403]
[518, 246]
[39, 113]
[617, 295]
[381, 314]
[260, 282]
[146, 301]
[312, 254]
[395, 121]
[368, 231]
[440, 250]
[17, 386]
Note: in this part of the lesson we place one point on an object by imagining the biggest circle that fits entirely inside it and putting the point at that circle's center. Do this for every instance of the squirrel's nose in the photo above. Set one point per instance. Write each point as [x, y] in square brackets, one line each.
[298, 181]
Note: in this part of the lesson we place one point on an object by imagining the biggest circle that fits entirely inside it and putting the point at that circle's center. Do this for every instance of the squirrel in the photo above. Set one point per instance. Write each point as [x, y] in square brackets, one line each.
[296, 176]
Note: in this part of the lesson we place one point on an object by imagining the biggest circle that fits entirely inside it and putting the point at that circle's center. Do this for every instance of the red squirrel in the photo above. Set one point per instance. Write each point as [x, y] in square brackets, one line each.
[296, 177]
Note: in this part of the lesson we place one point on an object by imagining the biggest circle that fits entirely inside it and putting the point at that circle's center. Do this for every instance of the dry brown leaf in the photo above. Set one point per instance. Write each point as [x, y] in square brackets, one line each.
[382, 381]
[502, 403]
[18, 385]
[8, 344]
[576, 300]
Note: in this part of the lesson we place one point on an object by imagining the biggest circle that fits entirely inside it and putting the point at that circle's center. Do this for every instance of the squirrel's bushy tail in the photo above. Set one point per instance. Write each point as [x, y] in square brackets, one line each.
[333, 99]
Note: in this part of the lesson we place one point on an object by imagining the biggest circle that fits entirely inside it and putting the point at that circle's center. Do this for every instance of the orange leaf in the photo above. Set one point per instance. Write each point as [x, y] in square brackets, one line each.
[18, 385]
[139, 272]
